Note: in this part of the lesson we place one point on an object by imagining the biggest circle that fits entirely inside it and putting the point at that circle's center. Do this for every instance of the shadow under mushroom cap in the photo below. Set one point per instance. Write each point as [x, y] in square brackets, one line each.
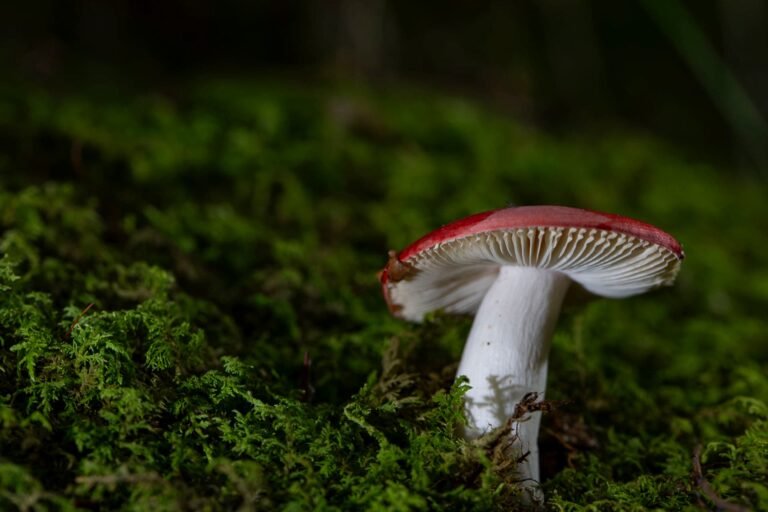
[453, 267]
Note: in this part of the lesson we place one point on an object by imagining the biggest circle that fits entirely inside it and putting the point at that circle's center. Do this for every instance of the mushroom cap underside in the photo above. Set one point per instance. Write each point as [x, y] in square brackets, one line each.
[452, 267]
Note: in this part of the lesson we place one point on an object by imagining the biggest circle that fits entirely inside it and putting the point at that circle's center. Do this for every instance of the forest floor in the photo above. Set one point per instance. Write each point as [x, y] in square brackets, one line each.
[169, 259]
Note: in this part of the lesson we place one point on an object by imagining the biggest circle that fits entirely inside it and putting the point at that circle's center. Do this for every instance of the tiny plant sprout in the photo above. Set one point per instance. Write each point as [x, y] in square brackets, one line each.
[511, 268]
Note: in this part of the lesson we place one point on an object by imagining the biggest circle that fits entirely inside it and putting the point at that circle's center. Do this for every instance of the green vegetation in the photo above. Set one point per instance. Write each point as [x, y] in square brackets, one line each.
[223, 232]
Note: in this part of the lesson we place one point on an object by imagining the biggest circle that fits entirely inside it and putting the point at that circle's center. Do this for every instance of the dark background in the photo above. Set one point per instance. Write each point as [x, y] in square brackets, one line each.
[691, 73]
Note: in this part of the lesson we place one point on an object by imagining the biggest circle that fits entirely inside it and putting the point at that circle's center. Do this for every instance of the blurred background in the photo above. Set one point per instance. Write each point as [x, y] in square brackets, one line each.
[690, 73]
[221, 181]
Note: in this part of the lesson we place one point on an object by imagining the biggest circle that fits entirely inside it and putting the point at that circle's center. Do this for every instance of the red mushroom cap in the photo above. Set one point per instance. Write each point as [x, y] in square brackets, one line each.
[451, 267]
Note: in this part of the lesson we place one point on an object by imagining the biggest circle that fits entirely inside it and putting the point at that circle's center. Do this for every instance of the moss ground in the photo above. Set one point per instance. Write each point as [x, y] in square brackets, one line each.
[224, 230]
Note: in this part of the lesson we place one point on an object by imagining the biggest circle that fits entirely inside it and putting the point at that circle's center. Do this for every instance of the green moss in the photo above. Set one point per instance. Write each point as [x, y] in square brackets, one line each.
[167, 263]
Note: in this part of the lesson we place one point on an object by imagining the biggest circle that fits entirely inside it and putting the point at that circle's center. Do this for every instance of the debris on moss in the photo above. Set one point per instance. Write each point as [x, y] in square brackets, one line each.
[168, 262]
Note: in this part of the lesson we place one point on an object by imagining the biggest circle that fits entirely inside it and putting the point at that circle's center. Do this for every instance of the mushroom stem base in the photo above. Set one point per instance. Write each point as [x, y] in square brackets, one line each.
[505, 356]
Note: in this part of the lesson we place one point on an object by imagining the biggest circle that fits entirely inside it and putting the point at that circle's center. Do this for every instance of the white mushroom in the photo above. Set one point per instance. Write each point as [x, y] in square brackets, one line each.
[511, 268]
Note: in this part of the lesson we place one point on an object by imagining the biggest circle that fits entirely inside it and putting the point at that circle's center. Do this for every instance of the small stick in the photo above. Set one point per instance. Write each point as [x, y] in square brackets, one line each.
[706, 487]
[76, 320]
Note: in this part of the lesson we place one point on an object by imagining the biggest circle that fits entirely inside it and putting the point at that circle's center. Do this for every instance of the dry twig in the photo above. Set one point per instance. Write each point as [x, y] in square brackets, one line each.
[706, 488]
[76, 320]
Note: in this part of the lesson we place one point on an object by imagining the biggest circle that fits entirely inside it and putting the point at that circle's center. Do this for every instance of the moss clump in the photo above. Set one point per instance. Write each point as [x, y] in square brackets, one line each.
[167, 263]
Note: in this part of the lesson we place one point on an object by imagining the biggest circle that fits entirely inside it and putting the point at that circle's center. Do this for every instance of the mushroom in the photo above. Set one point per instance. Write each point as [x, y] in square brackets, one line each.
[511, 268]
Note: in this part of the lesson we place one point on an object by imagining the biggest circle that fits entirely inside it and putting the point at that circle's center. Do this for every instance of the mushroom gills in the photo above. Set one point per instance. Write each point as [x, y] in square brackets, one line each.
[454, 275]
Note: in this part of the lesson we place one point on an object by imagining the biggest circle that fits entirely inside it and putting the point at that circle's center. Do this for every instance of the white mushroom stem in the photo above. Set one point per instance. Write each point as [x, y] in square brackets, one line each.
[506, 354]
